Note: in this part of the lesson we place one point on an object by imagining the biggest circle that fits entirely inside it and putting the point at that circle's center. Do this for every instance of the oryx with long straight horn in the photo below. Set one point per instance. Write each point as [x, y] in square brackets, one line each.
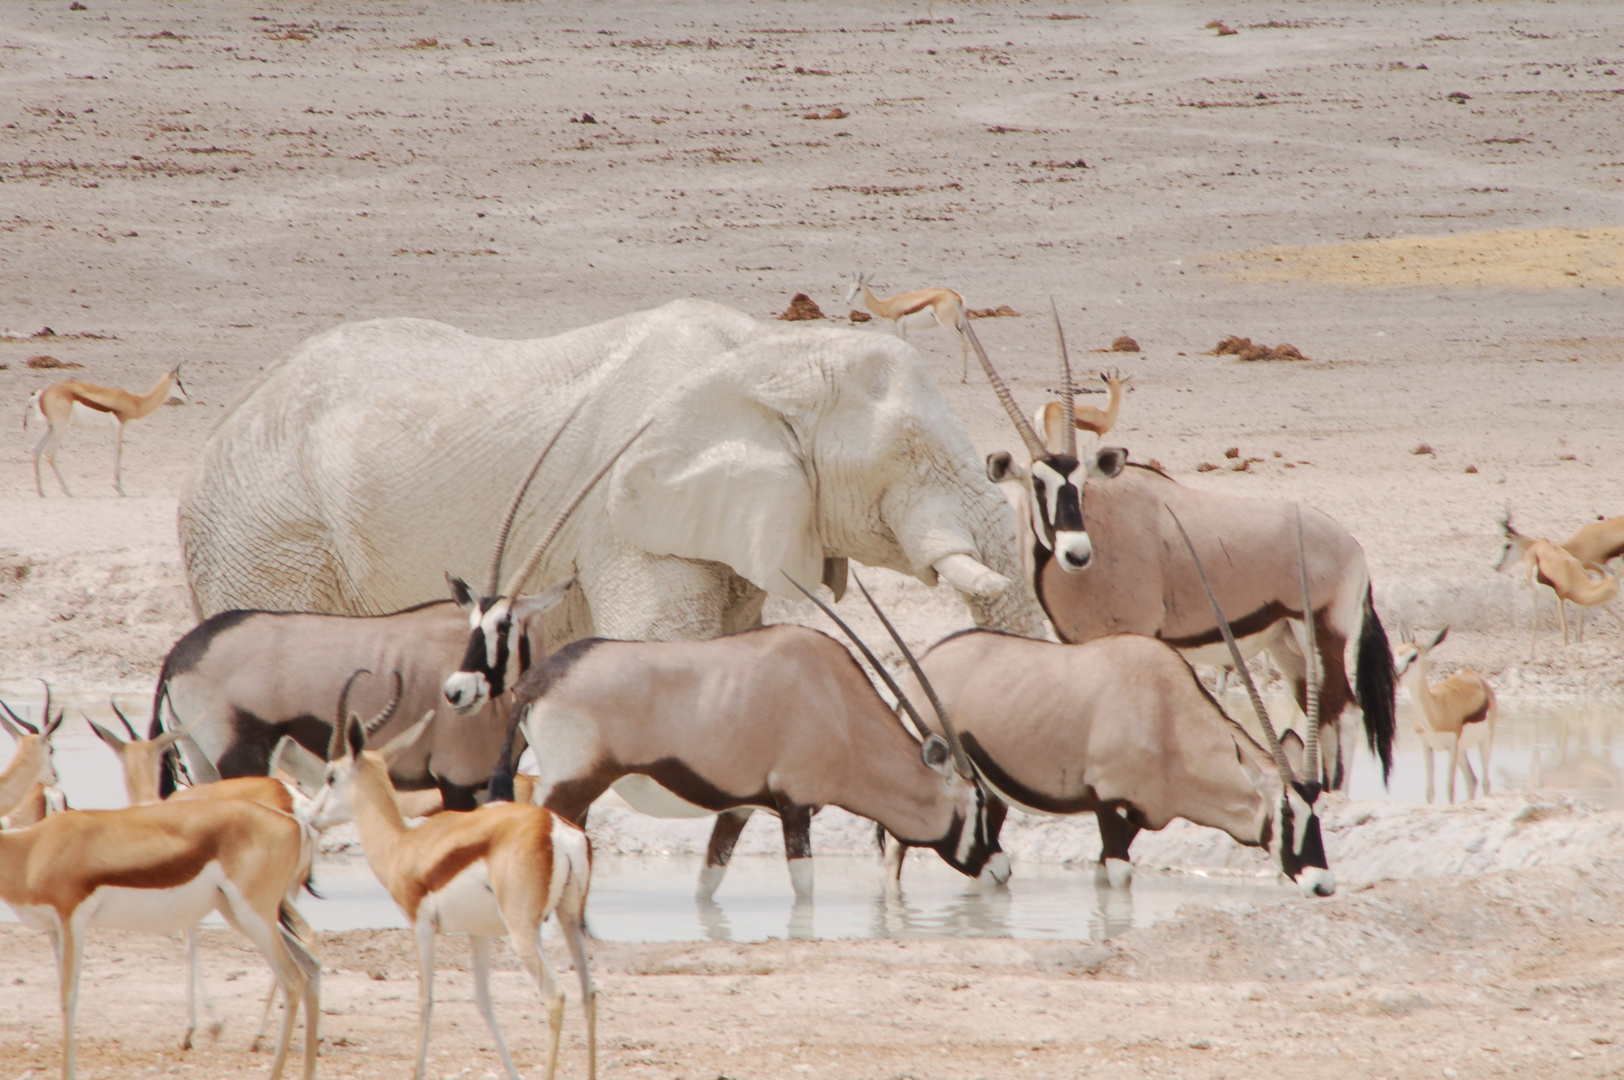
[1121, 727]
[492, 618]
[779, 718]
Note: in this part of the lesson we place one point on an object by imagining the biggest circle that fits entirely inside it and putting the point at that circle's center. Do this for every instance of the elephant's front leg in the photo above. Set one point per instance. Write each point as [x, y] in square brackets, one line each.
[724, 834]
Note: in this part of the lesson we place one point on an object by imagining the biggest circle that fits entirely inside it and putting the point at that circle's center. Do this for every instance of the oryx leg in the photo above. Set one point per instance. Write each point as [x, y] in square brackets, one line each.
[1336, 752]
[997, 869]
[482, 1000]
[1116, 835]
[896, 853]
[797, 823]
[724, 835]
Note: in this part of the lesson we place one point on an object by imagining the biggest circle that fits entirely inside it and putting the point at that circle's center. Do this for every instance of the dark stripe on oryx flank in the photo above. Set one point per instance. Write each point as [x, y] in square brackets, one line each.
[1047, 802]
[1254, 622]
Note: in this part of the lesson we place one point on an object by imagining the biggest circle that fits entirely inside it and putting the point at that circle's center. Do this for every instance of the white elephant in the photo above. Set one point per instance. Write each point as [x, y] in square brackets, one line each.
[382, 454]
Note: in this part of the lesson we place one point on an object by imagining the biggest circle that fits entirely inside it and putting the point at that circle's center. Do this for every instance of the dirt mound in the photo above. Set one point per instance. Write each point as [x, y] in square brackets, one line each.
[1218, 25]
[836, 113]
[859, 316]
[802, 309]
[1124, 344]
[1243, 349]
[1002, 311]
[48, 363]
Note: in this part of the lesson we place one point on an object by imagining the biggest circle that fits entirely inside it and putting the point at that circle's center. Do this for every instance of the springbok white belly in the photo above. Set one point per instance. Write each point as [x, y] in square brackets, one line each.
[466, 905]
[86, 417]
[648, 797]
[924, 317]
[158, 911]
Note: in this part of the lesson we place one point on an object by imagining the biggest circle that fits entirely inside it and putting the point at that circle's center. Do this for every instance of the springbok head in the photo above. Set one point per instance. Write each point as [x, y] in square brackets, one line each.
[1413, 647]
[1054, 480]
[177, 389]
[498, 622]
[33, 740]
[1291, 828]
[855, 284]
[967, 845]
[142, 758]
[334, 804]
[1516, 544]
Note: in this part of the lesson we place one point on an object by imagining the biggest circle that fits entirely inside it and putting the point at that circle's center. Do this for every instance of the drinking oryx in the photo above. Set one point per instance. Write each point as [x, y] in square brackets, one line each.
[241, 680]
[779, 718]
[1141, 584]
[1121, 726]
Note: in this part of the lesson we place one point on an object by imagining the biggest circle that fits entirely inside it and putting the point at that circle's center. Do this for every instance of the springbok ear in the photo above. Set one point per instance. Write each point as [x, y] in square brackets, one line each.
[355, 736]
[935, 753]
[1438, 638]
[720, 476]
[1001, 466]
[1110, 461]
[1292, 744]
[1402, 664]
[460, 592]
[117, 744]
[308, 770]
[528, 607]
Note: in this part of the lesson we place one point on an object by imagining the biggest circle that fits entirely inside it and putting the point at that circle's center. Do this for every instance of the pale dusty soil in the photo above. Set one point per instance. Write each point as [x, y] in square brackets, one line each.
[213, 184]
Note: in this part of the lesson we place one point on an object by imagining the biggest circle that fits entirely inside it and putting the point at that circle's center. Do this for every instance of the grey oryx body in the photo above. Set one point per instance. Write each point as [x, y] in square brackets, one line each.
[1120, 727]
[779, 718]
[243, 679]
[1138, 580]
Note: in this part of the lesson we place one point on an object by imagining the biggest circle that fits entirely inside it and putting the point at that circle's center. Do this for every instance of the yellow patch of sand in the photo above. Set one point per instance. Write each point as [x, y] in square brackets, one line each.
[1557, 258]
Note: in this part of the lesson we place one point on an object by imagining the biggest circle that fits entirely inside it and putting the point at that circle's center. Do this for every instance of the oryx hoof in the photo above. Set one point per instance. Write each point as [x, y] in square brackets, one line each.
[1118, 873]
[997, 870]
[710, 879]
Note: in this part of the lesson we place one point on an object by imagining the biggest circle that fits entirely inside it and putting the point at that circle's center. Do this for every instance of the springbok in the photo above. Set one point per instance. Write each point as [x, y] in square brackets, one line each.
[1090, 418]
[1142, 586]
[499, 870]
[1121, 726]
[1547, 563]
[1591, 547]
[80, 404]
[778, 718]
[920, 308]
[1594, 545]
[1454, 715]
[243, 679]
[159, 869]
[32, 770]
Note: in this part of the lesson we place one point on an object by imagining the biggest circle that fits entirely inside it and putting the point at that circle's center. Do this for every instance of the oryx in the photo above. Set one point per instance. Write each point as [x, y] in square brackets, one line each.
[1138, 582]
[242, 680]
[1121, 726]
[779, 718]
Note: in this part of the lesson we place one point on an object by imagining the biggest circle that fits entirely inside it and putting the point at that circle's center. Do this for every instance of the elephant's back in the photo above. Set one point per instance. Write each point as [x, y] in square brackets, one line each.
[394, 435]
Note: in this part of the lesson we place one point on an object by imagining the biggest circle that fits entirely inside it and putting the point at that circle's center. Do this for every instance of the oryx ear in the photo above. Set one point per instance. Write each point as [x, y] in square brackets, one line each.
[355, 736]
[403, 742]
[1110, 461]
[117, 744]
[1438, 638]
[935, 753]
[1254, 775]
[1001, 466]
[460, 592]
[528, 607]
[722, 475]
[1291, 744]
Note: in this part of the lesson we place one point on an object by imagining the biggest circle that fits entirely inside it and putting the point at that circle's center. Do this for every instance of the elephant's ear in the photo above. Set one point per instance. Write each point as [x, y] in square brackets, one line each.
[719, 477]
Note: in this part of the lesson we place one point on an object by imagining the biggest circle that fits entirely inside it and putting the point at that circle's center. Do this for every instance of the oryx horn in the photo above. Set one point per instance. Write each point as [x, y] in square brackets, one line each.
[1068, 399]
[1311, 765]
[389, 709]
[335, 746]
[495, 578]
[1280, 763]
[873, 661]
[1034, 445]
[534, 560]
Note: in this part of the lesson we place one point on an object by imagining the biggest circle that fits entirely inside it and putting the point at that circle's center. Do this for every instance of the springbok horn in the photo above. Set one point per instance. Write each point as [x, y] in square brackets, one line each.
[495, 578]
[1280, 763]
[1034, 445]
[111, 739]
[961, 760]
[125, 720]
[1311, 764]
[388, 710]
[45, 717]
[873, 661]
[534, 560]
[22, 724]
[335, 746]
[1068, 400]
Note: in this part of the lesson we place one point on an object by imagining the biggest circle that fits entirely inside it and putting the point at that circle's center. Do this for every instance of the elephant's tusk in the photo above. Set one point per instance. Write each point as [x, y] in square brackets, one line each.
[967, 575]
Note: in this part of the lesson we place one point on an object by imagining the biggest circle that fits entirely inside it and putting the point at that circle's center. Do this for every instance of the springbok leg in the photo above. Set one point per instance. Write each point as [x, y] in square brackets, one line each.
[482, 1000]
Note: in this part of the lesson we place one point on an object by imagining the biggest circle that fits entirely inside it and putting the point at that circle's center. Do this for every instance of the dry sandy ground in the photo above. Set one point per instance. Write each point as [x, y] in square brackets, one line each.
[1441, 187]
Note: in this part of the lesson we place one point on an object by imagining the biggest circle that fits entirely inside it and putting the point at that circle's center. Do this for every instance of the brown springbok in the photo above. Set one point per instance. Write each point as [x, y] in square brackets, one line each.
[1593, 546]
[80, 404]
[160, 869]
[1143, 585]
[778, 718]
[499, 870]
[1120, 726]
[1090, 418]
[1597, 543]
[1454, 715]
[919, 308]
[1548, 563]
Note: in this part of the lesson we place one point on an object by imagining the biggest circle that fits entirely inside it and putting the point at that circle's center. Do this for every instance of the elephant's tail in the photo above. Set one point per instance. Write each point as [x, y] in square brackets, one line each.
[1374, 686]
